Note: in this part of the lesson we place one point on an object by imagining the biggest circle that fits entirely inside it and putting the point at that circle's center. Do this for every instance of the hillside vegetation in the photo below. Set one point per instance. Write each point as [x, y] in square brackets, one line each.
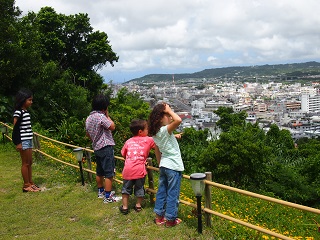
[291, 71]
[66, 210]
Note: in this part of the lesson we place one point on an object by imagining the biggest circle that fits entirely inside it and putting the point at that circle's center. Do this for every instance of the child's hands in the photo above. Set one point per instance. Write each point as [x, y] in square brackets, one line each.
[178, 135]
[167, 108]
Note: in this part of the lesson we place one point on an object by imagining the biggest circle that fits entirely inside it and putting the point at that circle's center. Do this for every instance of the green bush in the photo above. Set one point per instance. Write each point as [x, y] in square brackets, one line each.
[73, 131]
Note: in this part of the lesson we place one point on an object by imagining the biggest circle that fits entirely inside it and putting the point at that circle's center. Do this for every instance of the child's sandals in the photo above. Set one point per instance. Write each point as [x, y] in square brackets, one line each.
[30, 189]
[173, 222]
[160, 221]
[35, 187]
[126, 211]
[123, 211]
[137, 209]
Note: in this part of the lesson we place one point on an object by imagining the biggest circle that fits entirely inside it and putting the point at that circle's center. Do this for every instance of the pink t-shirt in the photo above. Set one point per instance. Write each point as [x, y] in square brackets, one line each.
[135, 151]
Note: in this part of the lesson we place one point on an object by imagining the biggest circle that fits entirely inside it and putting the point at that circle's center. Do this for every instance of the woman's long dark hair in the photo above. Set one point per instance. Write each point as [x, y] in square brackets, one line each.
[155, 117]
[21, 97]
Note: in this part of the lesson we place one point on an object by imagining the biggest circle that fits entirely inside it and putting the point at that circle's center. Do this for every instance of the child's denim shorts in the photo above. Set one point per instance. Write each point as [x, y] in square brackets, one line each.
[26, 144]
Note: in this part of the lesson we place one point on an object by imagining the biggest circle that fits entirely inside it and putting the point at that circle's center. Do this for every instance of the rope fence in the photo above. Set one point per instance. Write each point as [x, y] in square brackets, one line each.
[150, 189]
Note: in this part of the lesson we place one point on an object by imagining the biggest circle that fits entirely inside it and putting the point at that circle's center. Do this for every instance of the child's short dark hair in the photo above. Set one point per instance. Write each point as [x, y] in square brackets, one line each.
[100, 103]
[136, 125]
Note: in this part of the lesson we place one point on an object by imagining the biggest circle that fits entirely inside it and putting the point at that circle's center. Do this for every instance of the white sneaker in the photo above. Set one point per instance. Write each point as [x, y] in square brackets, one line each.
[101, 194]
[112, 198]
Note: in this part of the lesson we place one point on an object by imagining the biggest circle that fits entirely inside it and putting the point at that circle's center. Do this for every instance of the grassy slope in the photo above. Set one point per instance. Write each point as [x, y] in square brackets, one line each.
[67, 210]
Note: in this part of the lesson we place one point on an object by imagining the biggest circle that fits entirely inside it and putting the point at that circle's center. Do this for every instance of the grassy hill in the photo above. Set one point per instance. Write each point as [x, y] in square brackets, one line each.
[67, 210]
[293, 70]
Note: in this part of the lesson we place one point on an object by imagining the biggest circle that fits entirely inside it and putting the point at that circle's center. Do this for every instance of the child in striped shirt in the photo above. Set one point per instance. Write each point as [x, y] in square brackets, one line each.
[22, 137]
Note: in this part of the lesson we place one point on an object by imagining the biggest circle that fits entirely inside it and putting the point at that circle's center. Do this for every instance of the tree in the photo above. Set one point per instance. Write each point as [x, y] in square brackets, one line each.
[8, 42]
[19, 58]
[290, 184]
[238, 158]
[192, 144]
[63, 100]
[71, 42]
[123, 109]
[280, 140]
[49, 49]
[64, 53]
[229, 118]
[6, 109]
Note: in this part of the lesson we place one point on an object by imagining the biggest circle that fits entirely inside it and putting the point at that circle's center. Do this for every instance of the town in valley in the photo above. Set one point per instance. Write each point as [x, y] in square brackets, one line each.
[292, 103]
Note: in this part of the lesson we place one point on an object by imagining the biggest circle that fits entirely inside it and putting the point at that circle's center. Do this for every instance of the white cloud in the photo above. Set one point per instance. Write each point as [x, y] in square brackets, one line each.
[186, 35]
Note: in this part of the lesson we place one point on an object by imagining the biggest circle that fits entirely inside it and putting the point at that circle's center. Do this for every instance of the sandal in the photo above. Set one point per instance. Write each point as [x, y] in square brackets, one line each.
[35, 187]
[173, 223]
[159, 221]
[29, 189]
[123, 211]
[137, 209]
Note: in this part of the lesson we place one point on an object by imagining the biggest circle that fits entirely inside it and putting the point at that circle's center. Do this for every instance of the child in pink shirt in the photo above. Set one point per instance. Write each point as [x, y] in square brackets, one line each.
[135, 151]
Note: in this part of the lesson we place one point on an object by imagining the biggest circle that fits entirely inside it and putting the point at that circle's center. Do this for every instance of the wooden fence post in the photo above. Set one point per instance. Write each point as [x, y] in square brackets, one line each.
[208, 200]
[36, 144]
[4, 131]
[150, 180]
[88, 158]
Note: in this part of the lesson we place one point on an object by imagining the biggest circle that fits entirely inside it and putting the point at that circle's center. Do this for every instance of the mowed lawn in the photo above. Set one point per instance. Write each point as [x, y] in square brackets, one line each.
[67, 210]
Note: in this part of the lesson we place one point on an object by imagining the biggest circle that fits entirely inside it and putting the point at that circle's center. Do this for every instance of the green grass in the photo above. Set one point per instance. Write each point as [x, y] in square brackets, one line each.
[68, 210]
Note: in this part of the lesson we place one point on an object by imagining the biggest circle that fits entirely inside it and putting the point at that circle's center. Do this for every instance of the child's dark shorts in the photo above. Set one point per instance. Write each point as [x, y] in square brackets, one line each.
[105, 162]
[136, 184]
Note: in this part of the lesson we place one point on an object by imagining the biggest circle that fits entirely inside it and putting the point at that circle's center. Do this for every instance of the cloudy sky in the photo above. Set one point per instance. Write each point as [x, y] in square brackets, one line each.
[185, 36]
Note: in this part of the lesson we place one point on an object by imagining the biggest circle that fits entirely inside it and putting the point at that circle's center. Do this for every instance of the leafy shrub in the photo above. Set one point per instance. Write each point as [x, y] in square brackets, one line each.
[192, 144]
[287, 183]
[73, 131]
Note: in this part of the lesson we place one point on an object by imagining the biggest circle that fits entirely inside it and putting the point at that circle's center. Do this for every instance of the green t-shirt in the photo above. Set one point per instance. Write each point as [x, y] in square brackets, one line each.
[169, 148]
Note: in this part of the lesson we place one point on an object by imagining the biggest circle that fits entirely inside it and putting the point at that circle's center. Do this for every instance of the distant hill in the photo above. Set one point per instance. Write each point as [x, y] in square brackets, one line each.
[291, 70]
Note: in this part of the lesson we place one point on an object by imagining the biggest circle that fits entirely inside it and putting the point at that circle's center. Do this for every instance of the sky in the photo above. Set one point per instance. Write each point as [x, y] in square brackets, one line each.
[186, 36]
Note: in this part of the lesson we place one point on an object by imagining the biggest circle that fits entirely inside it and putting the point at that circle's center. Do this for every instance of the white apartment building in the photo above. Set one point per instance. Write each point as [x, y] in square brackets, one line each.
[310, 103]
[260, 107]
[308, 90]
[196, 107]
[241, 107]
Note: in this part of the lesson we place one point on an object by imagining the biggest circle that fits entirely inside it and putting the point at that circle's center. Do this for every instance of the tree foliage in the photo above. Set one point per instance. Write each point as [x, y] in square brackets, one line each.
[279, 139]
[228, 118]
[19, 56]
[192, 144]
[238, 157]
[246, 157]
[71, 43]
[57, 57]
[123, 109]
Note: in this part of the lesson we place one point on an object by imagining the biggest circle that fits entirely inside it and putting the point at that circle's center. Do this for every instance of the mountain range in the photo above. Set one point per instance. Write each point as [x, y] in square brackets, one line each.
[293, 70]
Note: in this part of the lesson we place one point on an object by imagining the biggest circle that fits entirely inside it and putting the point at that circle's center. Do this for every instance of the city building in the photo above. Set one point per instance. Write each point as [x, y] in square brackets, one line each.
[310, 103]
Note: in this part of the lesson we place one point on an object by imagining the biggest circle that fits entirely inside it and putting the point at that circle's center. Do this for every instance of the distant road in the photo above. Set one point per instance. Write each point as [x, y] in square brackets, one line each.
[180, 105]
